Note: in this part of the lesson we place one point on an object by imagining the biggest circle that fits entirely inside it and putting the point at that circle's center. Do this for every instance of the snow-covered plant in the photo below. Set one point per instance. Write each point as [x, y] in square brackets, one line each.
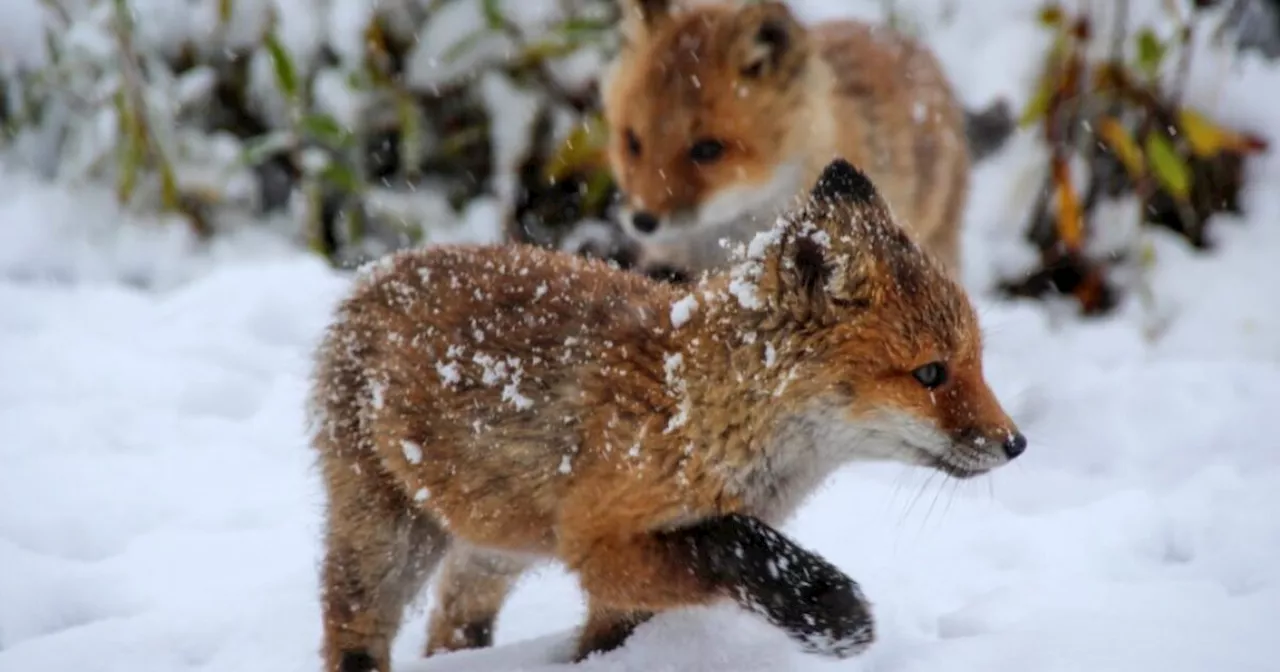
[1109, 104]
[104, 109]
[357, 127]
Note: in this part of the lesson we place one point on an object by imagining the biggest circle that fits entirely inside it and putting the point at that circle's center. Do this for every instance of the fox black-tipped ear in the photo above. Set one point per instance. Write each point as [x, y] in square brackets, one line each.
[771, 41]
[842, 183]
[648, 11]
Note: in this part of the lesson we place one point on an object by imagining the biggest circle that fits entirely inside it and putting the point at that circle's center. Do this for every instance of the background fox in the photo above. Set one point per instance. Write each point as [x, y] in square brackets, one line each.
[487, 407]
[721, 113]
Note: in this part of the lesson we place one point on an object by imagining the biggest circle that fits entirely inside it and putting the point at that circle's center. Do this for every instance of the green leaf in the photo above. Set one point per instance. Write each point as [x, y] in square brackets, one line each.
[1147, 255]
[544, 50]
[411, 134]
[1047, 84]
[337, 175]
[462, 46]
[261, 148]
[463, 140]
[581, 27]
[581, 151]
[124, 15]
[1151, 52]
[327, 130]
[493, 13]
[170, 195]
[314, 222]
[358, 80]
[356, 224]
[1050, 15]
[131, 151]
[1170, 169]
[1039, 103]
[51, 45]
[286, 74]
[597, 191]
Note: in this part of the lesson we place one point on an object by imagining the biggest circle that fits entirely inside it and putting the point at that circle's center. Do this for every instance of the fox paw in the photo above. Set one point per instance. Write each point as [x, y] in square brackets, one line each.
[797, 591]
[830, 617]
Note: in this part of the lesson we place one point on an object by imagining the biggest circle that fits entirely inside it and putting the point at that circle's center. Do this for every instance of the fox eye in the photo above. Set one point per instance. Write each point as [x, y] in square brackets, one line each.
[706, 151]
[633, 143]
[931, 375]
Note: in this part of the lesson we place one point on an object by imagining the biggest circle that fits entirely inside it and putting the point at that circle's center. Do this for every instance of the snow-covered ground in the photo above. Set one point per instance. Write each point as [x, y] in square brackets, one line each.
[159, 509]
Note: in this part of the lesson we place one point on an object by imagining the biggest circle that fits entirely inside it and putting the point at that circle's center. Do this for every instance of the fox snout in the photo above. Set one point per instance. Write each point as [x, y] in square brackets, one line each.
[1009, 442]
[644, 221]
[651, 224]
[978, 449]
[1014, 445]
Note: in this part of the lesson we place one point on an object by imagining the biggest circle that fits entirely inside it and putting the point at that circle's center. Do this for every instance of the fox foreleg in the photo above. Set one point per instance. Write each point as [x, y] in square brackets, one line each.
[796, 590]
[733, 556]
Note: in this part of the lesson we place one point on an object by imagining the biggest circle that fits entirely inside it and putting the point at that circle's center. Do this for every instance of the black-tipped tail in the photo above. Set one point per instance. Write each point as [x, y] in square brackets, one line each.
[841, 182]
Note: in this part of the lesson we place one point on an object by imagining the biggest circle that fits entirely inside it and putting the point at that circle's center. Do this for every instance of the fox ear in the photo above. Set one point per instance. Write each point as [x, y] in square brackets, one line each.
[649, 12]
[771, 39]
[841, 183]
[809, 267]
[860, 221]
[820, 255]
[802, 274]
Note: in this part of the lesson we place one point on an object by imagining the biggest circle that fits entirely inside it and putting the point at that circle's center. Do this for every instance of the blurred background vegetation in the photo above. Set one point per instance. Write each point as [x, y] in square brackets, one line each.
[424, 115]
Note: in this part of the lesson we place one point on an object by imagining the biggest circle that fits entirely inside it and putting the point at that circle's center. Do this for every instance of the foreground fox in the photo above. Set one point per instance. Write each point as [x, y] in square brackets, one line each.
[722, 113]
[486, 407]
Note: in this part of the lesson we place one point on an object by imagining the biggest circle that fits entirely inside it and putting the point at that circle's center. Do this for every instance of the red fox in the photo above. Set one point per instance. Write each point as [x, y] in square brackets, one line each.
[720, 114]
[485, 408]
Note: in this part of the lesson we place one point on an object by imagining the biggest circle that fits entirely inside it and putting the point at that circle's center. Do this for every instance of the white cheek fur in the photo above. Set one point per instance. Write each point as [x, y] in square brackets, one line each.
[763, 200]
[808, 446]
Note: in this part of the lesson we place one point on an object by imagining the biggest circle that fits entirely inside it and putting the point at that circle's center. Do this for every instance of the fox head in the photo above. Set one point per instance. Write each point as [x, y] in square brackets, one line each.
[702, 108]
[892, 350]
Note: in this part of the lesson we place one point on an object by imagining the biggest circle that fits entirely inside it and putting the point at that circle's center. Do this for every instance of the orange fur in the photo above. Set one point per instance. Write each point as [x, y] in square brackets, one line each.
[498, 405]
[782, 99]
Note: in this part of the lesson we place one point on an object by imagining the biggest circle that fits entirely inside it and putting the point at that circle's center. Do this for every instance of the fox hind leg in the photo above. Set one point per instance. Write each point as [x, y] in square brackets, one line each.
[607, 629]
[471, 590]
[378, 554]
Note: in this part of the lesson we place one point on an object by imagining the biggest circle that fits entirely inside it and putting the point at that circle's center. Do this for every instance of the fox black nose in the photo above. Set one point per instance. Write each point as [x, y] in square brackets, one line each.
[1015, 445]
[644, 222]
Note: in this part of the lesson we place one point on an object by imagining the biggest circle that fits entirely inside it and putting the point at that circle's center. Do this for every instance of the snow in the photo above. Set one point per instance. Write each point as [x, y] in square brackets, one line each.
[449, 373]
[683, 309]
[159, 508]
[412, 452]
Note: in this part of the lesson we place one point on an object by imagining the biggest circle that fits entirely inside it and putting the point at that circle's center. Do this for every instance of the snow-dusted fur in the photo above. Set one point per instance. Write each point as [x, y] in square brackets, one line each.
[491, 405]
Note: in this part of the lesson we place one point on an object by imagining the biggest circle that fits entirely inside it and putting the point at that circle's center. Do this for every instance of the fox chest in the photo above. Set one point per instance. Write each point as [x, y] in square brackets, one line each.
[773, 489]
[786, 470]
